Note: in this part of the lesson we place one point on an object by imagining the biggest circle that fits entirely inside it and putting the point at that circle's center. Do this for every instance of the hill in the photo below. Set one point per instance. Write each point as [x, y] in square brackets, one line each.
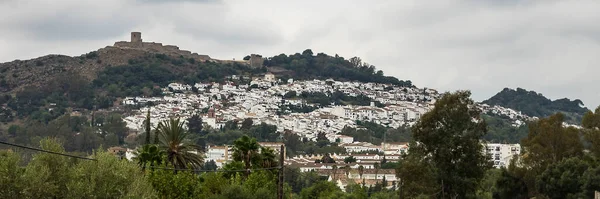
[45, 87]
[536, 105]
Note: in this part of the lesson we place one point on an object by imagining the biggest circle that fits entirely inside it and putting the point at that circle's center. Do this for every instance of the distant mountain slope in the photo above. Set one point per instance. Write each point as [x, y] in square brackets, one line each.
[535, 104]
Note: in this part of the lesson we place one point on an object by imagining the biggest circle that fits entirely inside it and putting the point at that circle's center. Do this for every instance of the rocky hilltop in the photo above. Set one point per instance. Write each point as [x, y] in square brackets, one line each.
[19, 74]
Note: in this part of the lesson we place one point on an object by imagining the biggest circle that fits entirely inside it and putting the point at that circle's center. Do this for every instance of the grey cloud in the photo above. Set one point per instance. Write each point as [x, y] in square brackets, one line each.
[242, 34]
[221, 28]
[179, 1]
[69, 22]
[547, 46]
[64, 27]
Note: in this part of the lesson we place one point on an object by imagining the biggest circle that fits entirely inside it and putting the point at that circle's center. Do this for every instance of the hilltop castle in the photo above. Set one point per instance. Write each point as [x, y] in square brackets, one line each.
[137, 43]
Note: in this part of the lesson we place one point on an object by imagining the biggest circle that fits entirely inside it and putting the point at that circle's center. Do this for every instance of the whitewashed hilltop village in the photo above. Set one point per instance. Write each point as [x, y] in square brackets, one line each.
[263, 98]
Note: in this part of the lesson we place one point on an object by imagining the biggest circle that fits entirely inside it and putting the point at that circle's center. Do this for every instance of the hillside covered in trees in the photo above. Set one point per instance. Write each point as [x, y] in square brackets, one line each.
[535, 104]
[309, 66]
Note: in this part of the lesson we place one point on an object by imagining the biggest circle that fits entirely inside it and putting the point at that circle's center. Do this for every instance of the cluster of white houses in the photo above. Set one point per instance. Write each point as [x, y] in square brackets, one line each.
[403, 106]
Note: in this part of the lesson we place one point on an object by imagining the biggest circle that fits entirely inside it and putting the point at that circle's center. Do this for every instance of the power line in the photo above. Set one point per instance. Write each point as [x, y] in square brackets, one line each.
[206, 171]
[45, 151]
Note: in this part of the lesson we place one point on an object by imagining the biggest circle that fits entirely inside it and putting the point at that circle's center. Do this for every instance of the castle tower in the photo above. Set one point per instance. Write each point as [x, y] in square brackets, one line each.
[256, 61]
[136, 37]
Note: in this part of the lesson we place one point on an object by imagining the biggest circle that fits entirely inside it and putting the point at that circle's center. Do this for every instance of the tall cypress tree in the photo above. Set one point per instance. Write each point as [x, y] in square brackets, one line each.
[147, 126]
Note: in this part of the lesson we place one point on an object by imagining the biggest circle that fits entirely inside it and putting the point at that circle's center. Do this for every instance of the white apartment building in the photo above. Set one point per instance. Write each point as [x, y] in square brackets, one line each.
[501, 154]
[219, 154]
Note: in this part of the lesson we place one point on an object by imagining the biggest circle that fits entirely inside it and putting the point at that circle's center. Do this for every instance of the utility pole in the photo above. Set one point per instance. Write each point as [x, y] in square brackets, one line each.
[280, 185]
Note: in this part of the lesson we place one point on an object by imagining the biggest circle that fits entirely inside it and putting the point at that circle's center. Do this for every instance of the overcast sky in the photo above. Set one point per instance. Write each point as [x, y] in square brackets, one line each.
[552, 47]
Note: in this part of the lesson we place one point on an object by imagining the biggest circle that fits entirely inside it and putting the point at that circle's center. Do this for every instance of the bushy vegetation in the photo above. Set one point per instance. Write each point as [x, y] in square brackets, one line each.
[328, 98]
[53, 176]
[375, 133]
[556, 165]
[307, 66]
[501, 130]
[79, 134]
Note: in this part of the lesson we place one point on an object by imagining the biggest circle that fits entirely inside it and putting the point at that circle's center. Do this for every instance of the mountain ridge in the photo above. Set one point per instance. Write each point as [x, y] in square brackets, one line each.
[536, 104]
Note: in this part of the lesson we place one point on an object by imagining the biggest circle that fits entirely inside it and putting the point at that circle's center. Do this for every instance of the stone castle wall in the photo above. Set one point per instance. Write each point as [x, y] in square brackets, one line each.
[256, 61]
[160, 48]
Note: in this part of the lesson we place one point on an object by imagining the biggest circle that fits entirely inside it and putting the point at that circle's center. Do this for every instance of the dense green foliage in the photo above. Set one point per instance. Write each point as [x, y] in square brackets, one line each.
[142, 75]
[309, 66]
[337, 97]
[52, 176]
[554, 164]
[78, 133]
[534, 104]
[500, 130]
[299, 146]
[375, 133]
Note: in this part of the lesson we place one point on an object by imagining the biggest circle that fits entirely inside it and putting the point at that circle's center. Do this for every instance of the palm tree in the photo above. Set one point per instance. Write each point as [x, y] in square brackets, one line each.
[267, 158]
[246, 149]
[180, 151]
[149, 154]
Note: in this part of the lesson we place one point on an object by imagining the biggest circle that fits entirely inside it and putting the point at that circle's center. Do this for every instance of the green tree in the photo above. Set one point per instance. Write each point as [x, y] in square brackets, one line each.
[320, 190]
[327, 159]
[510, 185]
[194, 124]
[563, 179]
[591, 123]
[349, 159]
[149, 154]
[108, 177]
[448, 138]
[417, 176]
[548, 142]
[175, 185]
[245, 149]
[48, 174]
[180, 151]
[10, 174]
[247, 123]
[114, 124]
[54, 176]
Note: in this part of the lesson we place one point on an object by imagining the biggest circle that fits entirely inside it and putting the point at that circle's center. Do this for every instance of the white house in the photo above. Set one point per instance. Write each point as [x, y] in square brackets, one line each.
[270, 77]
[219, 154]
